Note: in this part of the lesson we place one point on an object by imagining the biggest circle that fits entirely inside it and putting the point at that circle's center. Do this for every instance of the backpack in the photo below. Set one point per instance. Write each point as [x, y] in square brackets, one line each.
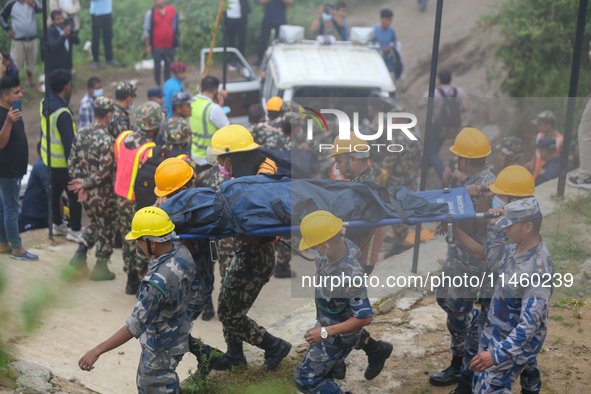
[144, 182]
[451, 114]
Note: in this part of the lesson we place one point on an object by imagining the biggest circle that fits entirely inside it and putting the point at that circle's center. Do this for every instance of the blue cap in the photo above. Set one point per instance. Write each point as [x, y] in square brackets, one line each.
[155, 92]
[522, 210]
[546, 143]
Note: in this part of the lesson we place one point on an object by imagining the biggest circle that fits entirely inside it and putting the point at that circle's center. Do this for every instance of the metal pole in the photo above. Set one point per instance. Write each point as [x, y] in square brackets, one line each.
[429, 126]
[44, 46]
[225, 57]
[572, 96]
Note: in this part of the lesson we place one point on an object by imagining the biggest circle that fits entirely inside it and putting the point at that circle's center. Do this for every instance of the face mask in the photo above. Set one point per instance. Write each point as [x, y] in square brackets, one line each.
[317, 254]
[497, 202]
[226, 173]
[98, 93]
[132, 105]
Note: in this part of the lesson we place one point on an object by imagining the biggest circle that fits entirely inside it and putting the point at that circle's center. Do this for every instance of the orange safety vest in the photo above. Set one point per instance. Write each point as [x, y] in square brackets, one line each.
[128, 162]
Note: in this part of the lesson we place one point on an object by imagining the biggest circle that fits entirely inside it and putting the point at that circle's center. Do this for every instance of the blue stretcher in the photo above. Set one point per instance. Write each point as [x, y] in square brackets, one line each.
[458, 201]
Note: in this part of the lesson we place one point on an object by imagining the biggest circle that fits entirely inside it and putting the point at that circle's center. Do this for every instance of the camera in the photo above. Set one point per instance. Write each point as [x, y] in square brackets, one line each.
[328, 8]
[69, 21]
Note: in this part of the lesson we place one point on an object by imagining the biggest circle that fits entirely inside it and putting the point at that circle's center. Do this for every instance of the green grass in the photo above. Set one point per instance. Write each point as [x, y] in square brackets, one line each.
[245, 381]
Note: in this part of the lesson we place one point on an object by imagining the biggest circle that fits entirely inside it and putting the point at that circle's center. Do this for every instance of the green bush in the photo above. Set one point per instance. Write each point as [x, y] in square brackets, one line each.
[537, 47]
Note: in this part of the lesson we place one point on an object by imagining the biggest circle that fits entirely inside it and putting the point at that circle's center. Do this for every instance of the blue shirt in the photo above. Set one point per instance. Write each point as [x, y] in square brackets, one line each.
[385, 37]
[101, 7]
[275, 12]
[35, 199]
[172, 86]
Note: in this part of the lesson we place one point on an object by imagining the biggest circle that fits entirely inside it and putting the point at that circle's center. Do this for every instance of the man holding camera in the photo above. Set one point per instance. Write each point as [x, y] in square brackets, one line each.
[70, 8]
[61, 38]
[331, 21]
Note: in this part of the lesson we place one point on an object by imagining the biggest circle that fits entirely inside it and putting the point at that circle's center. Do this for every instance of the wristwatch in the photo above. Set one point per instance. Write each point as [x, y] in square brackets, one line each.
[323, 333]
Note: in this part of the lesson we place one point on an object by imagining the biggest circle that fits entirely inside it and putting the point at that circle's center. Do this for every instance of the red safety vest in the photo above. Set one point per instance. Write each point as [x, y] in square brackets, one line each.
[128, 162]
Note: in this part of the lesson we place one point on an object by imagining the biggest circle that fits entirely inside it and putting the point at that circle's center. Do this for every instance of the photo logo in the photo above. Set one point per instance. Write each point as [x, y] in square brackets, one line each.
[403, 121]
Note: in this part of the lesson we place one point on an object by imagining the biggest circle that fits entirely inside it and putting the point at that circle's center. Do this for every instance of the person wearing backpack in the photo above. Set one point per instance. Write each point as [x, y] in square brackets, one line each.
[447, 119]
[176, 134]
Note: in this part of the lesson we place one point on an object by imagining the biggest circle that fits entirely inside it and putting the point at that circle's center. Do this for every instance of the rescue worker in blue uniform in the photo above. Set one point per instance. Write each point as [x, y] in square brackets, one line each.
[472, 147]
[517, 322]
[341, 312]
[159, 319]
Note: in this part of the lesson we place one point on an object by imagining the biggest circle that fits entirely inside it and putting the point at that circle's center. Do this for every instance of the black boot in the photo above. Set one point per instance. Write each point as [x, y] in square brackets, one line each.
[377, 354]
[450, 375]
[524, 391]
[464, 386]
[133, 283]
[276, 349]
[283, 270]
[206, 355]
[79, 260]
[340, 370]
[208, 311]
[234, 357]
[101, 271]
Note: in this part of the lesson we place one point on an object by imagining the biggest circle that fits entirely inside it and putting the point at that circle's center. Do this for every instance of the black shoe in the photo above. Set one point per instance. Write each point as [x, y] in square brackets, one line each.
[450, 375]
[114, 63]
[377, 354]
[340, 370]
[79, 263]
[577, 182]
[464, 387]
[117, 243]
[524, 391]
[283, 270]
[233, 358]
[206, 355]
[133, 283]
[101, 271]
[208, 312]
[276, 349]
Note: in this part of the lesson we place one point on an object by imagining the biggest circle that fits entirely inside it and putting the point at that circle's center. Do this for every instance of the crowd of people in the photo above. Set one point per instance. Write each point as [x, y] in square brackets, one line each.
[122, 173]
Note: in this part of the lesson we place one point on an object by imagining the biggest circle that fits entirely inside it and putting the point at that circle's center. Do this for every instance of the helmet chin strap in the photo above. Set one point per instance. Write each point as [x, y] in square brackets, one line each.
[347, 174]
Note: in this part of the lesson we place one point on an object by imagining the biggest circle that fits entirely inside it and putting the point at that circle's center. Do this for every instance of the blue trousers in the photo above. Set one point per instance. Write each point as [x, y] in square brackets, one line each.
[9, 205]
[314, 374]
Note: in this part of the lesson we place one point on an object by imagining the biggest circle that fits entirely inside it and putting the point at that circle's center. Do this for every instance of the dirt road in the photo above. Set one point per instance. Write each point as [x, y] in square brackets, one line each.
[82, 315]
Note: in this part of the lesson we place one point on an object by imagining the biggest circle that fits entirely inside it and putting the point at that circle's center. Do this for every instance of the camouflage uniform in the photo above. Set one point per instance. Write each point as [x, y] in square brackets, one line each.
[313, 374]
[213, 178]
[92, 159]
[517, 322]
[249, 270]
[270, 135]
[159, 320]
[176, 131]
[202, 285]
[149, 116]
[121, 121]
[403, 169]
[463, 320]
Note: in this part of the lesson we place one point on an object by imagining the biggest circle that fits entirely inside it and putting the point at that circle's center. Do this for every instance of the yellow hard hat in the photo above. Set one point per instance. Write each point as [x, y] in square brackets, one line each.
[171, 175]
[230, 139]
[353, 145]
[275, 104]
[150, 222]
[514, 181]
[318, 227]
[471, 143]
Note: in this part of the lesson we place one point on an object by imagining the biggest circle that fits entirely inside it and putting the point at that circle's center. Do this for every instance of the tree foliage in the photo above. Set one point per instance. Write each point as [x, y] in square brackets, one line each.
[537, 47]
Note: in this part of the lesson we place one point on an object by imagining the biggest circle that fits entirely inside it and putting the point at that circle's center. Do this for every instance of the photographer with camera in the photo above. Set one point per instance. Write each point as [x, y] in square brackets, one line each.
[70, 8]
[331, 21]
[61, 38]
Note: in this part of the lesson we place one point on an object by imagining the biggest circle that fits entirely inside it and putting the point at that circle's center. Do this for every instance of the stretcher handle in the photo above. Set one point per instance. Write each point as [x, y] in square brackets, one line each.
[486, 215]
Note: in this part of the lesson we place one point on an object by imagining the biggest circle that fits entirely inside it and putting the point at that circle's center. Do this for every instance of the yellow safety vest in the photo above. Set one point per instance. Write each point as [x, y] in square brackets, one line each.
[58, 154]
[201, 127]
